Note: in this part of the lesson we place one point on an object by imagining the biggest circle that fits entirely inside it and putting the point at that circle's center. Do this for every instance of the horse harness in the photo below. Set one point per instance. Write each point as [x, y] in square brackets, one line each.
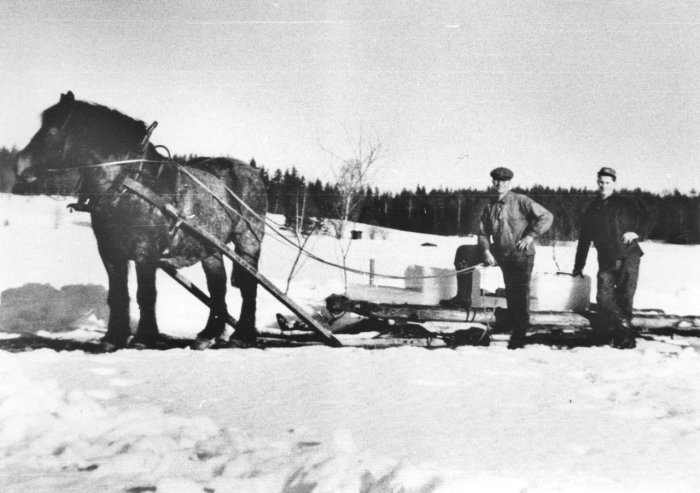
[118, 188]
[115, 192]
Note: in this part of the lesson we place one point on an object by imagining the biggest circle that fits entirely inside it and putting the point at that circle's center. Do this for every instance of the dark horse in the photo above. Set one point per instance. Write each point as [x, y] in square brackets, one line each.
[91, 141]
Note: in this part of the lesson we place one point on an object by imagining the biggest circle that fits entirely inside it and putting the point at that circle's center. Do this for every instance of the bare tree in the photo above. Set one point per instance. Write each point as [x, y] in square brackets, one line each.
[304, 227]
[352, 177]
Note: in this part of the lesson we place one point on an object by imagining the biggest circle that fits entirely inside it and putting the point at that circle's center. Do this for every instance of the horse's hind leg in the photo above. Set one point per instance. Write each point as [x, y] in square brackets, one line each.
[147, 332]
[248, 285]
[216, 282]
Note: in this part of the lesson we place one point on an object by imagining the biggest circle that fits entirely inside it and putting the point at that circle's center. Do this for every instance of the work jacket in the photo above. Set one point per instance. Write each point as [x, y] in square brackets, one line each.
[507, 220]
[604, 223]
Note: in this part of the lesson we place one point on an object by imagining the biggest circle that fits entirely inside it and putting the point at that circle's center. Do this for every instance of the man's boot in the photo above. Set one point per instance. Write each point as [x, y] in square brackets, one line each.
[463, 298]
[624, 337]
[602, 334]
[465, 256]
[517, 339]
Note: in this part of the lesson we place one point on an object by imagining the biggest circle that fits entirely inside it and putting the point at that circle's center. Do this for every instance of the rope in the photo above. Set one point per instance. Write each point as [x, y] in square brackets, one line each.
[304, 251]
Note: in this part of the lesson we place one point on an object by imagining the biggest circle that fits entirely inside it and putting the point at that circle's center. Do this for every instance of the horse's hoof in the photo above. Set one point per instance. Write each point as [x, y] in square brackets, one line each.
[200, 344]
[108, 347]
[237, 343]
[141, 344]
[220, 342]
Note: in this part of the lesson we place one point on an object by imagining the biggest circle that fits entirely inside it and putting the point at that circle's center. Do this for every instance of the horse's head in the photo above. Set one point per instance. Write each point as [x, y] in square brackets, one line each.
[48, 148]
[77, 134]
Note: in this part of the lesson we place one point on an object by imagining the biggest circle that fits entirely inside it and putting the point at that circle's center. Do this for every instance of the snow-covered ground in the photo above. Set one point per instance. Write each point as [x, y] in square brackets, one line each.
[330, 420]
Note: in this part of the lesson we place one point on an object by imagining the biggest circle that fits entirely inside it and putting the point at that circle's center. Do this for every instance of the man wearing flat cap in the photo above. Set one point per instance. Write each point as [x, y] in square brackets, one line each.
[510, 223]
[614, 224]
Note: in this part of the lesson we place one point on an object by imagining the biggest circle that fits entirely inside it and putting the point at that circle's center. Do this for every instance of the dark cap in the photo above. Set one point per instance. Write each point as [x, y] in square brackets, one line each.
[501, 174]
[607, 172]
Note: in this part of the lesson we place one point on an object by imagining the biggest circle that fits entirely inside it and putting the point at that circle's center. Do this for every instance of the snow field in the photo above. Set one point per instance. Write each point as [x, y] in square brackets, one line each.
[335, 420]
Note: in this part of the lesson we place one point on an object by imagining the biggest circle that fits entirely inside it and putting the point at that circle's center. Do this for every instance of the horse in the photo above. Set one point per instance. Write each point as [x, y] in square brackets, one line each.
[223, 196]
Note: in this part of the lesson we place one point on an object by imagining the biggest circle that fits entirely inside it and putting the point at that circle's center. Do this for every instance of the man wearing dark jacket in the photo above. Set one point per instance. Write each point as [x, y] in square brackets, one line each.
[510, 223]
[614, 224]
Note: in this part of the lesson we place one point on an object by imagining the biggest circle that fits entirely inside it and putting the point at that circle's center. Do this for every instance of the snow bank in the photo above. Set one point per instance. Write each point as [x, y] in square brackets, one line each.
[52, 439]
[320, 419]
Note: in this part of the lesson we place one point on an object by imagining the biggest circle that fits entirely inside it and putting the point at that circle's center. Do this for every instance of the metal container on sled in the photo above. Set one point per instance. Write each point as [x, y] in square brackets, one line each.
[559, 292]
[422, 285]
[425, 285]
[430, 284]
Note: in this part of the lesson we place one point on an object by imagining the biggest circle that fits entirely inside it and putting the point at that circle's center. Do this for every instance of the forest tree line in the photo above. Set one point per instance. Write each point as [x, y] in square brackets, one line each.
[444, 211]
[457, 211]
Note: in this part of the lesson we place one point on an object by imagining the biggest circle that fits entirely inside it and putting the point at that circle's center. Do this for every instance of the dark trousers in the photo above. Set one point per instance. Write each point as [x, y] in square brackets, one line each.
[466, 256]
[517, 272]
[617, 283]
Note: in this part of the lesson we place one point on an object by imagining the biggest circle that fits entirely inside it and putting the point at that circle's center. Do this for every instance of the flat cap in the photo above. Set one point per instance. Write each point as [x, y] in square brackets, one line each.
[501, 174]
[605, 171]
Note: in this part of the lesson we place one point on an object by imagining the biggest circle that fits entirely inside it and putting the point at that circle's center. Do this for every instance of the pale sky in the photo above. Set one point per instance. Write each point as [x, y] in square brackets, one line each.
[552, 89]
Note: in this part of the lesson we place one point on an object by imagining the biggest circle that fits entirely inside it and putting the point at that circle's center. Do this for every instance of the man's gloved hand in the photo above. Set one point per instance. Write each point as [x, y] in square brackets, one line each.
[577, 273]
[489, 259]
[524, 243]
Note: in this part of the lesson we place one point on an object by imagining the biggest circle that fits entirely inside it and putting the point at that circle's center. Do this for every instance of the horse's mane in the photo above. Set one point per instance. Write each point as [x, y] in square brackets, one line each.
[98, 119]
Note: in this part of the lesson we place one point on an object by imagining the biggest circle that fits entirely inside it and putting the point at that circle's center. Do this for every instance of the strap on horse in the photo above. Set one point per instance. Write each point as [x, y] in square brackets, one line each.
[83, 204]
[144, 149]
[147, 138]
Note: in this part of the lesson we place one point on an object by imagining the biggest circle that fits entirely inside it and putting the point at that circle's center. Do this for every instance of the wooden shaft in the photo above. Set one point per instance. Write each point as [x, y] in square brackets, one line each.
[171, 211]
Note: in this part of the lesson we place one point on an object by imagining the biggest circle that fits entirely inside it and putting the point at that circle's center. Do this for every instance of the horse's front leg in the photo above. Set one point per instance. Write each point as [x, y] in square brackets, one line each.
[118, 329]
[147, 332]
[215, 272]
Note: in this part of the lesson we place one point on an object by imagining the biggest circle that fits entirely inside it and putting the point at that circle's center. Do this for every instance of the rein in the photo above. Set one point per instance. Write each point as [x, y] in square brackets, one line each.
[86, 204]
[103, 165]
[264, 220]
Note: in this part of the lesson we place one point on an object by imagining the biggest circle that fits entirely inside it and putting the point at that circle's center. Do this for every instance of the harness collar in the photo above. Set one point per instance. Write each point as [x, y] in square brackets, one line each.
[115, 191]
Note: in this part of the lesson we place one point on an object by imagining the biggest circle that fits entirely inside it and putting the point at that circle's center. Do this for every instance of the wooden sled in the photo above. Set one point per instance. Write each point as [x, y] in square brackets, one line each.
[644, 320]
[547, 327]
